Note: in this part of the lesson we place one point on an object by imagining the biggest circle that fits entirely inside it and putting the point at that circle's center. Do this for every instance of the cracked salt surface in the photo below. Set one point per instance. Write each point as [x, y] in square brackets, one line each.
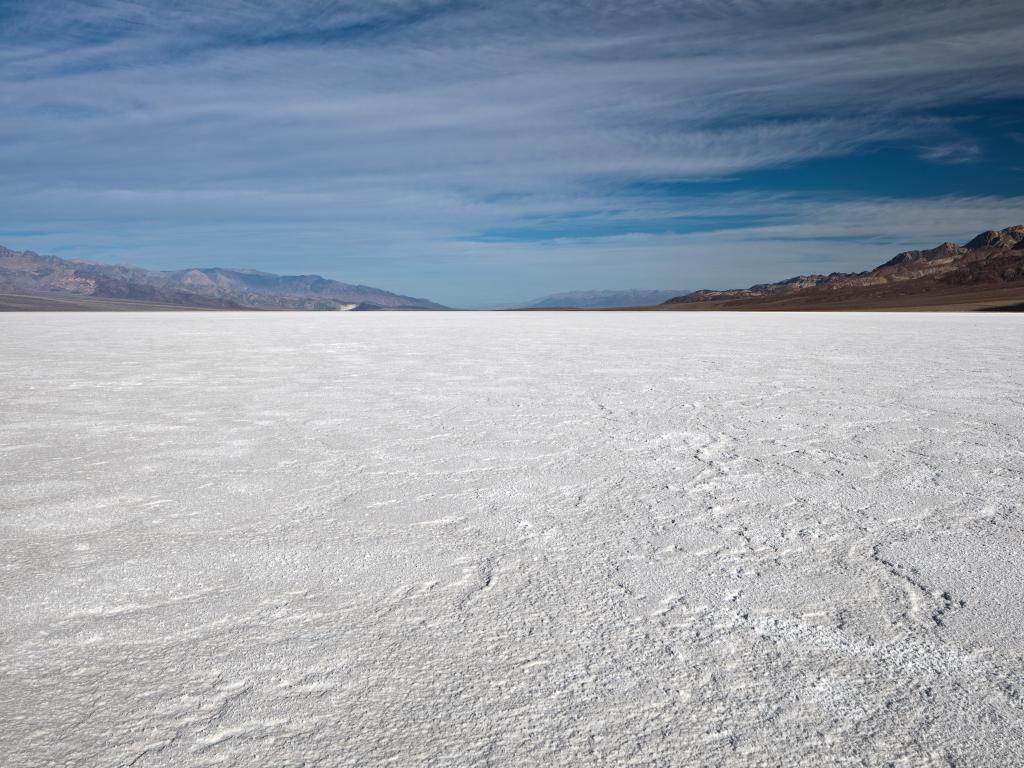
[472, 539]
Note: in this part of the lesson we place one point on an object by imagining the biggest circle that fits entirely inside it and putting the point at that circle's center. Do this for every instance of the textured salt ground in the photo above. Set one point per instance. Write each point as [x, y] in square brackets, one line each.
[473, 539]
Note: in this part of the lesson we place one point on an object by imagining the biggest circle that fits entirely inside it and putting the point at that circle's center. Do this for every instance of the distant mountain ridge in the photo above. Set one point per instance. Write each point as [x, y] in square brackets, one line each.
[25, 273]
[602, 299]
[993, 260]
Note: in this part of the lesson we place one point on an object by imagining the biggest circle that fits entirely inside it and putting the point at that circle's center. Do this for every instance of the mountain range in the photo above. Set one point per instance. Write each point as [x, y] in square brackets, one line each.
[31, 281]
[985, 273]
[602, 299]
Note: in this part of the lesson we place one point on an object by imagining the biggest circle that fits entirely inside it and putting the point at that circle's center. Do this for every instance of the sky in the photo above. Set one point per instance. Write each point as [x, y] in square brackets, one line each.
[480, 153]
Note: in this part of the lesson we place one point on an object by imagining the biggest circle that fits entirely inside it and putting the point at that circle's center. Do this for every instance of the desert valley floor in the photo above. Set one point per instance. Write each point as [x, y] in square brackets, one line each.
[511, 539]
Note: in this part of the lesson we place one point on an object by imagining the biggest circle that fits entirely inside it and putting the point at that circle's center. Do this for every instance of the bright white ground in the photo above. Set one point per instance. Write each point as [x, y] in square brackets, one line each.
[511, 539]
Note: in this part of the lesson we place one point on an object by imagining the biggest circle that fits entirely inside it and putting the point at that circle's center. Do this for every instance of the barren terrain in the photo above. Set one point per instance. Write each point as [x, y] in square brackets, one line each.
[974, 299]
[511, 539]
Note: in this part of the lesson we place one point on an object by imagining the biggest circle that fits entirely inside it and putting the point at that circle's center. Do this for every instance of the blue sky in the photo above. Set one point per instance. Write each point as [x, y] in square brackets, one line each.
[478, 153]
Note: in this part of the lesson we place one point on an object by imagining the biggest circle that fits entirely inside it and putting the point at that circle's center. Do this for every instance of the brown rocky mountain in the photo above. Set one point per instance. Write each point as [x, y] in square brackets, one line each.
[29, 280]
[986, 273]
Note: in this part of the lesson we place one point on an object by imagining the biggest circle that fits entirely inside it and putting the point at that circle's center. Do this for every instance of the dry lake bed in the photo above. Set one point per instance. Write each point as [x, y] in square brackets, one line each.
[511, 539]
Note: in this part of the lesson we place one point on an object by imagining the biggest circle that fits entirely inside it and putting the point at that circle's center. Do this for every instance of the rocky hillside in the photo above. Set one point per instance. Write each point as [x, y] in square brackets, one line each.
[28, 274]
[992, 260]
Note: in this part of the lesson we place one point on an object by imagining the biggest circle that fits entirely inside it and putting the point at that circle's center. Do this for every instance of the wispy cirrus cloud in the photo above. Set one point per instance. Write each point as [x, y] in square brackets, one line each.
[381, 138]
[953, 153]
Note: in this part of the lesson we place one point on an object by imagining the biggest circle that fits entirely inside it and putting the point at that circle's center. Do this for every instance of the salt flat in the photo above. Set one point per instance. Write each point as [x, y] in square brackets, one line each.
[511, 539]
